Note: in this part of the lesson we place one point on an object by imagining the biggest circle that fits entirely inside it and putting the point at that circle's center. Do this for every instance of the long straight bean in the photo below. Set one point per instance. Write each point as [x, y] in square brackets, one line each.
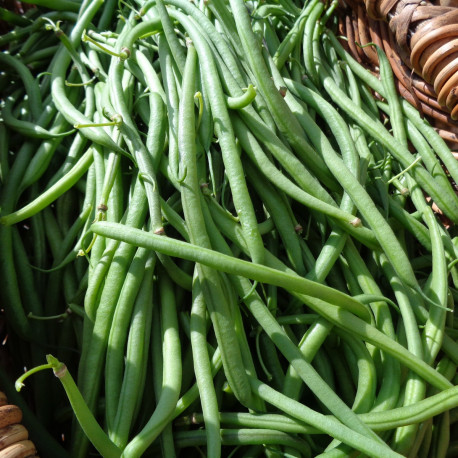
[209, 279]
[171, 379]
[203, 373]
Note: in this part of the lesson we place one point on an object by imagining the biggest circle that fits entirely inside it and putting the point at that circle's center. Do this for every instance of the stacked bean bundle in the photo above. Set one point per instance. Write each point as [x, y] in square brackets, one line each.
[205, 219]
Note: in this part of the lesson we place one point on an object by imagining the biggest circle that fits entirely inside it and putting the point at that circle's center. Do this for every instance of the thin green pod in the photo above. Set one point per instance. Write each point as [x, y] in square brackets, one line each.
[202, 369]
[326, 424]
[437, 288]
[30, 84]
[115, 353]
[279, 337]
[134, 377]
[226, 137]
[51, 194]
[359, 196]
[229, 264]
[237, 103]
[171, 378]
[26, 128]
[209, 279]
[283, 117]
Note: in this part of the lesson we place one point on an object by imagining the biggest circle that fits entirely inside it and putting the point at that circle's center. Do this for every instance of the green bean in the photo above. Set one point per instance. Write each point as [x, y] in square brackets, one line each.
[243, 437]
[284, 119]
[237, 103]
[18, 33]
[171, 381]
[411, 224]
[259, 420]
[269, 361]
[42, 158]
[61, 5]
[227, 263]
[378, 132]
[50, 195]
[209, 279]
[307, 42]
[172, 104]
[441, 436]
[309, 346]
[396, 117]
[290, 351]
[378, 421]
[203, 372]
[4, 151]
[346, 387]
[382, 230]
[303, 413]
[193, 393]
[83, 414]
[118, 334]
[26, 128]
[135, 366]
[365, 394]
[279, 214]
[434, 327]
[176, 48]
[449, 346]
[30, 84]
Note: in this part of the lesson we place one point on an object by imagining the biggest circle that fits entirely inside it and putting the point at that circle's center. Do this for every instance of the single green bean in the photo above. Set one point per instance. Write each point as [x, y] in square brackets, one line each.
[229, 264]
[172, 373]
[202, 369]
[50, 195]
[209, 279]
[134, 379]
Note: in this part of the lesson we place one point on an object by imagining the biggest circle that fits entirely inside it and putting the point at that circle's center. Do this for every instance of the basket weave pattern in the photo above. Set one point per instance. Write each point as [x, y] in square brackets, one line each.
[421, 41]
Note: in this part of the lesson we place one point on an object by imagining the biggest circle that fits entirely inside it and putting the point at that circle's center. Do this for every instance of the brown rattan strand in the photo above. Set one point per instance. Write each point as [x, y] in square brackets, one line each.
[436, 53]
[444, 74]
[455, 112]
[429, 39]
[364, 35]
[445, 92]
[452, 99]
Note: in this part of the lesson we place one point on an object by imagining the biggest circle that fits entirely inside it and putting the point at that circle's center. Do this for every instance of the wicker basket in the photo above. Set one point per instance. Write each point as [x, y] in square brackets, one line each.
[421, 41]
[14, 438]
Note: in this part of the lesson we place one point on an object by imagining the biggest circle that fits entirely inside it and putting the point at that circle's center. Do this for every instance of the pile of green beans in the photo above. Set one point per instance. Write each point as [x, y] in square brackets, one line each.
[218, 239]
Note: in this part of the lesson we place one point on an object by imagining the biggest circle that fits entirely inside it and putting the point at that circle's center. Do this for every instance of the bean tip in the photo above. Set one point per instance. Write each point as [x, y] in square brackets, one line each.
[356, 222]
[125, 53]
